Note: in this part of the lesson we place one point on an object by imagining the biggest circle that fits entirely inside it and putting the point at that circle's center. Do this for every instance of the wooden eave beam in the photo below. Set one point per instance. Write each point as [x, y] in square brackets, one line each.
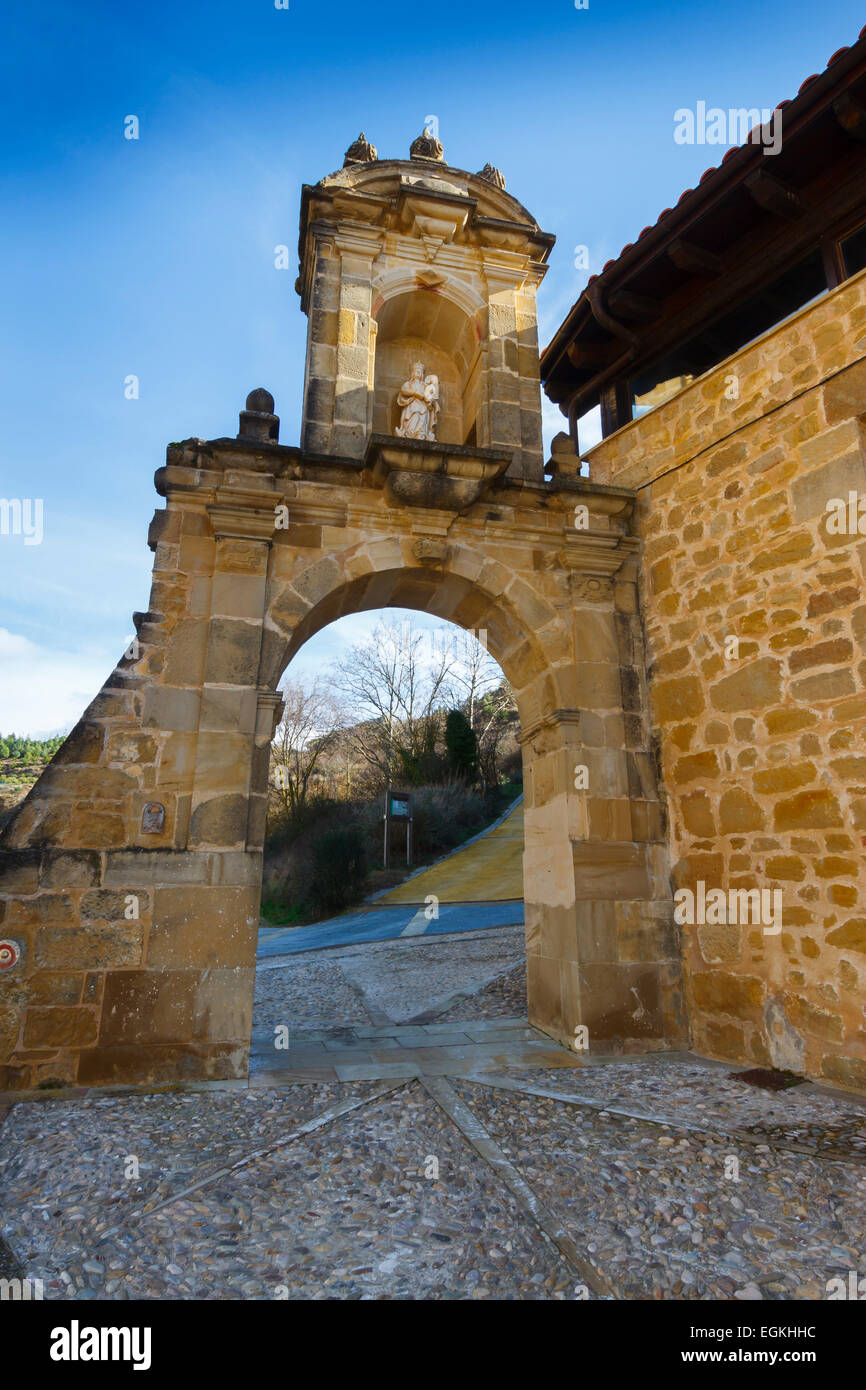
[850, 115]
[626, 304]
[773, 194]
[594, 357]
[694, 260]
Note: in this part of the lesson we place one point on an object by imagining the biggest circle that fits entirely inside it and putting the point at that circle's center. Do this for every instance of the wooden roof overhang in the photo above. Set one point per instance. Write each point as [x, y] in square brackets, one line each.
[745, 224]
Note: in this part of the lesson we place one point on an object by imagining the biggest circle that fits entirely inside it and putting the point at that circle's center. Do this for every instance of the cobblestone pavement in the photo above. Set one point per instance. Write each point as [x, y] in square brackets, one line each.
[658, 1177]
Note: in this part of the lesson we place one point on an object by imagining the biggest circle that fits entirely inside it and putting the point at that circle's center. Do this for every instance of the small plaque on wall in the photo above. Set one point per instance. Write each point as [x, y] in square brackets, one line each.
[153, 818]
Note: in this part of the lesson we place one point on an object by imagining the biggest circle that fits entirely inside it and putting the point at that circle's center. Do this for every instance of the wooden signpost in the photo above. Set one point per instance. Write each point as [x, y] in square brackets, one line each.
[398, 807]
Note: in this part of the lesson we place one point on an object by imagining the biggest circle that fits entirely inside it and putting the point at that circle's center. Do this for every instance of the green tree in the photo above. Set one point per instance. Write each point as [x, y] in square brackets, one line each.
[461, 745]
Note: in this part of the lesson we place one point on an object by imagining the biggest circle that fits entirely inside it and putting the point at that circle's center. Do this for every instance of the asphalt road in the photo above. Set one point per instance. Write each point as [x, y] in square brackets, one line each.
[386, 923]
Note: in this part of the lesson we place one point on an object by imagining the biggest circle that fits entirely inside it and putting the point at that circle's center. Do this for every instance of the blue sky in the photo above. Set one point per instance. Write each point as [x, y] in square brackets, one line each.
[155, 257]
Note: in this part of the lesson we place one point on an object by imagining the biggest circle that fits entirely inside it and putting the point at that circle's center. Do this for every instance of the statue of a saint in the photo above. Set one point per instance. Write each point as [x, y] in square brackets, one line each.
[419, 402]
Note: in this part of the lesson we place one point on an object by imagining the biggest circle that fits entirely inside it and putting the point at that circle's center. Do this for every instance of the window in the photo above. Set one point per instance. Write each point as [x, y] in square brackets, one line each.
[854, 251]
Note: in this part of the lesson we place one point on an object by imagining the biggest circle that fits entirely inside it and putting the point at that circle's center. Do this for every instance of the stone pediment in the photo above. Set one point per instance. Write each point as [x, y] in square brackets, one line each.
[434, 476]
[386, 175]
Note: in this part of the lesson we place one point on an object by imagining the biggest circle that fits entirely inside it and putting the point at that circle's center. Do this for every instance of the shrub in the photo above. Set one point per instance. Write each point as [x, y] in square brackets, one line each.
[336, 869]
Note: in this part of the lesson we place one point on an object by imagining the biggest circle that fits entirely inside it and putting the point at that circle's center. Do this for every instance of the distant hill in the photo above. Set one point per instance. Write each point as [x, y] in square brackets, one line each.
[21, 762]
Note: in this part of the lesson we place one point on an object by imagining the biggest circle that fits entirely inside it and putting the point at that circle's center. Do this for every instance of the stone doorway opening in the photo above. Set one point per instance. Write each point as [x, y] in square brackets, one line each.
[397, 976]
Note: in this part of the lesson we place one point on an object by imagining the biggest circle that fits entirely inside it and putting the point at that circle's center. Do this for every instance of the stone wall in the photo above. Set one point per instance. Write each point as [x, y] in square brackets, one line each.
[763, 739]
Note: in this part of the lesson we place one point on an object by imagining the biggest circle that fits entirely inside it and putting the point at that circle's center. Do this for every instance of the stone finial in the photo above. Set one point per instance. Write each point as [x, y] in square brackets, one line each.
[492, 175]
[360, 152]
[564, 461]
[258, 420]
[427, 147]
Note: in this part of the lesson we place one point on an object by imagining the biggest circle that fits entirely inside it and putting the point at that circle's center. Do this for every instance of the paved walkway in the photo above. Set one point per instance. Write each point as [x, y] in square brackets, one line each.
[534, 1174]
[392, 1050]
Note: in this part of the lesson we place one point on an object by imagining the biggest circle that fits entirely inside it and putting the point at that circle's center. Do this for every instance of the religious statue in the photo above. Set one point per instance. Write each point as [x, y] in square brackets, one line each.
[419, 402]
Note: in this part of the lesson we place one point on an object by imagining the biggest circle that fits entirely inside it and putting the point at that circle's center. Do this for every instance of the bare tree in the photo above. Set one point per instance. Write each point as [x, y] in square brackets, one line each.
[395, 684]
[473, 673]
[310, 727]
[479, 689]
[495, 712]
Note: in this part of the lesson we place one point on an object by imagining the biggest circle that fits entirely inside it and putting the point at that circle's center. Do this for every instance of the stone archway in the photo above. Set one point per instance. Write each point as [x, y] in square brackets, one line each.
[131, 874]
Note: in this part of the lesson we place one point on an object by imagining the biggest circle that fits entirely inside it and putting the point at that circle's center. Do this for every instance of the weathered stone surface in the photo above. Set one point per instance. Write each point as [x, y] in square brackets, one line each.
[752, 688]
[220, 821]
[46, 1026]
[851, 936]
[69, 868]
[738, 811]
[113, 904]
[813, 810]
[678, 699]
[812, 492]
[717, 991]
[143, 1006]
[697, 814]
[89, 947]
[19, 871]
[733, 511]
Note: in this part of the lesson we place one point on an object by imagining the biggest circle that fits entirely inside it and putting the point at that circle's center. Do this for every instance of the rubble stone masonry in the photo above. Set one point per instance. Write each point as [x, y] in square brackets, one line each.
[763, 739]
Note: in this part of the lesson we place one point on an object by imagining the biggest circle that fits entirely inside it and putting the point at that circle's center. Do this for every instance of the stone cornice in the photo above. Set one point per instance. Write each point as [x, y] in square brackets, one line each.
[241, 519]
[232, 479]
[555, 720]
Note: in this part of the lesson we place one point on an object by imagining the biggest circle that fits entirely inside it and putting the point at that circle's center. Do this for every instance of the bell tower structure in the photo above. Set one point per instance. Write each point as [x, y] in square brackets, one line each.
[410, 261]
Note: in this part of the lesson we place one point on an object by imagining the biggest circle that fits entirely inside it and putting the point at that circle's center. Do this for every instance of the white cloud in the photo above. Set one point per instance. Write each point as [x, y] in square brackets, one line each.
[43, 690]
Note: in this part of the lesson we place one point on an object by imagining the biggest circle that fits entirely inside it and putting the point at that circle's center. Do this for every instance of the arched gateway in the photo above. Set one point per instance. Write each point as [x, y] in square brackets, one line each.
[131, 874]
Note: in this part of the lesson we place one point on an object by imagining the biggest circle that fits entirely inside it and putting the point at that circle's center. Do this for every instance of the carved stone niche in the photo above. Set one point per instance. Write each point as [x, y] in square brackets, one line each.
[441, 477]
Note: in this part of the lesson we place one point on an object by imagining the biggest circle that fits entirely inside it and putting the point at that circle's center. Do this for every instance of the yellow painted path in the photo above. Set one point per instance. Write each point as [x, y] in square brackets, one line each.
[488, 870]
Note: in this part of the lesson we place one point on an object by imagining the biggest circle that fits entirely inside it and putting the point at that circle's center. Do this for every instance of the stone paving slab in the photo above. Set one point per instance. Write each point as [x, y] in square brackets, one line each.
[414, 1051]
[299, 1074]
